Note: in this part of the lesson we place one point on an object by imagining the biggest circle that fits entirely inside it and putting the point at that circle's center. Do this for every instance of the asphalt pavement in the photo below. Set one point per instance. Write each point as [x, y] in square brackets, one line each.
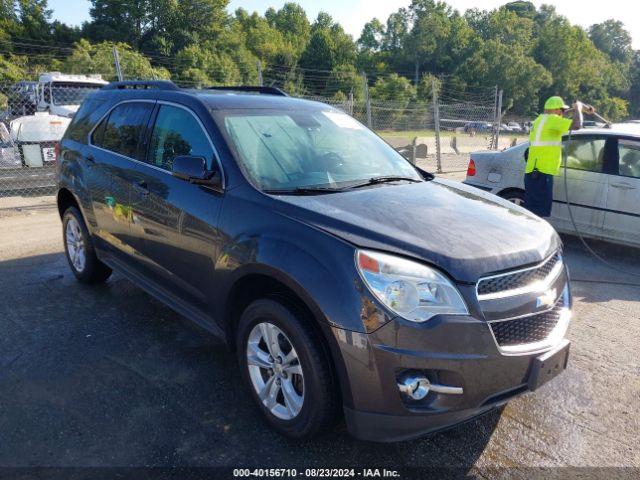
[106, 376]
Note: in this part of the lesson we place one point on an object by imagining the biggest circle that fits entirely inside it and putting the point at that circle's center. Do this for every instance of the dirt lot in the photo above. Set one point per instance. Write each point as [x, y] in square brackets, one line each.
[107, 376]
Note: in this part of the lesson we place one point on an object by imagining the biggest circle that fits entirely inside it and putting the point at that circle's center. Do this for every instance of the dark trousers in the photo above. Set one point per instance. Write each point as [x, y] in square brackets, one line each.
[538, 193]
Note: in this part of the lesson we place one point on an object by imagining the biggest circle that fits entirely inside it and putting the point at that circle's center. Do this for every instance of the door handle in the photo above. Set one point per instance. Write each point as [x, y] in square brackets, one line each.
[623, 186]
[91, 161]
[141, 187]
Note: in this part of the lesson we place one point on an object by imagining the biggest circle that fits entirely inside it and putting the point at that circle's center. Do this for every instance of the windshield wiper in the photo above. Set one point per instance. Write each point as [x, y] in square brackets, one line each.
[386, 179]
[303, 191]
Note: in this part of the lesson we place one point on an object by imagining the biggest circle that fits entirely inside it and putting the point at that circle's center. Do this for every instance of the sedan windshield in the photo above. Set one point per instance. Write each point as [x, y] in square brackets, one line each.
[296, 151]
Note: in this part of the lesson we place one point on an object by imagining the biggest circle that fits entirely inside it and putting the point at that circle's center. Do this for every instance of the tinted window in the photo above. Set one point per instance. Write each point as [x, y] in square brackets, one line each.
[629, 151]
[122, 131]
[177, 132]
[84, 120]
[586, 153]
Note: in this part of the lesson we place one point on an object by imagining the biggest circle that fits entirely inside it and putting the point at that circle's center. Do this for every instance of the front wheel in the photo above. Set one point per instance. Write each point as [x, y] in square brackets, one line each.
[286, 368]
[78, 247]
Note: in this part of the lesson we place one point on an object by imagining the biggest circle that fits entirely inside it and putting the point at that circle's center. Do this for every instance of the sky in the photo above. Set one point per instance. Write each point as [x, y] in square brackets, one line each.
[353, 14]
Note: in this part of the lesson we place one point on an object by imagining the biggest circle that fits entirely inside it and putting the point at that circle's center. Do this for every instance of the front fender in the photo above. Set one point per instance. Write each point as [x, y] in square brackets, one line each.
[318, 268]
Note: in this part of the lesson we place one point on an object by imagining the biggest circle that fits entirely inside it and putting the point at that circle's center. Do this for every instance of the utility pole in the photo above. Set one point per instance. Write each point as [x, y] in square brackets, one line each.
[259, 66]
[436, 119]
[499, 119]
[351, 102]
[116, 61]
[492, 143]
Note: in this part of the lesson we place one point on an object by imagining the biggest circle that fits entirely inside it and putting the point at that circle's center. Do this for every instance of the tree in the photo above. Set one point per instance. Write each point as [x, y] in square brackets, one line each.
[328, 47]
[578, 68]
[372, 36]
[396, 32]
[613, 39]
[89, 58]
[291, 20]
[263, 40]
[344, 79]
[439, 38]
[34, 17]
[393, 88]
[503, 25]
[522, 9]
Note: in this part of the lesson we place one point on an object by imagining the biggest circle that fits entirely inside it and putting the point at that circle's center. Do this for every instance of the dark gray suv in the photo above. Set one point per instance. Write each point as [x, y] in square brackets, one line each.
[347, 280]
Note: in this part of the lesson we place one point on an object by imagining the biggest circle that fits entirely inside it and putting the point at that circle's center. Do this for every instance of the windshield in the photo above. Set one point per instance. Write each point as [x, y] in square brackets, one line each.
[71, 93]
[288, 150]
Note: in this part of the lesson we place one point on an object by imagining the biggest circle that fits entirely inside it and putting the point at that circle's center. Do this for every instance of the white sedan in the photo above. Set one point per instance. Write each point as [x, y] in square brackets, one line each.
[603, 179]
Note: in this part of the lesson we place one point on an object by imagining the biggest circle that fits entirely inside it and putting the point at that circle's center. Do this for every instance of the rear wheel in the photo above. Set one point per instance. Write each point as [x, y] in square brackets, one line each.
[514, 196]
[79, 249]
[286, 369]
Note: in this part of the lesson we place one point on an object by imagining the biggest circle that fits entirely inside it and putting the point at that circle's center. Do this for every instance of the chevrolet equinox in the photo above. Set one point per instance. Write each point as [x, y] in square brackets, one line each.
[348, 281]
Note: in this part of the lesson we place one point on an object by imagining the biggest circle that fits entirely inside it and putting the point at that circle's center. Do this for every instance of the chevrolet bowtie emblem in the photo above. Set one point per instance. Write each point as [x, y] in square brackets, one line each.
[547, 299]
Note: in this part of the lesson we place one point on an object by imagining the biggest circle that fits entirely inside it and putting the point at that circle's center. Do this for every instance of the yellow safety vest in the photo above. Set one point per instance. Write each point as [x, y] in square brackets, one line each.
[545, 143]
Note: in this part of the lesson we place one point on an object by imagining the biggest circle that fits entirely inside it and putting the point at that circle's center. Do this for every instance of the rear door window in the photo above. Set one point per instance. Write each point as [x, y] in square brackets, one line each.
[123, 130]
[629, 154]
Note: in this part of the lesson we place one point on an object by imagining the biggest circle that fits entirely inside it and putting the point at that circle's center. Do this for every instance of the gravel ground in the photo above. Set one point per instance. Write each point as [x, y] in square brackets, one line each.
[108, 377]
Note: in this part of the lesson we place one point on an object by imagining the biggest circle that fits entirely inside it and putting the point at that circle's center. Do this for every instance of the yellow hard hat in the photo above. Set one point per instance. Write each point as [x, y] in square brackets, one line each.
[555, 103]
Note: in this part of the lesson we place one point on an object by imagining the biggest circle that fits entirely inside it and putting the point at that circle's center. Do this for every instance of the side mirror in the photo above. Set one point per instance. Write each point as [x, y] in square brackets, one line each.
[194, 170]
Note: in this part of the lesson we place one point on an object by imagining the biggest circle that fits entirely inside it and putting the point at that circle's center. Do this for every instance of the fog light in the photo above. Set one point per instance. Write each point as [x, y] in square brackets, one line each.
[415, 387]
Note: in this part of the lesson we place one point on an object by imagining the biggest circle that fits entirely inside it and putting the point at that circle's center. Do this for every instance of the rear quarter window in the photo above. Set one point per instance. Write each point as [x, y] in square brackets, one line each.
[84, 120]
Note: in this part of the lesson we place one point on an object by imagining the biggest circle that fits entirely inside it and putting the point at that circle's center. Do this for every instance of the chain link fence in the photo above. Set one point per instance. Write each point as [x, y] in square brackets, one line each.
[437, 134]
[33, 119]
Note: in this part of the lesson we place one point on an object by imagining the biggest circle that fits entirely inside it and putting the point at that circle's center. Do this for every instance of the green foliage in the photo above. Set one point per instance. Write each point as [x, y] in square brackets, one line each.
[611, 38]
[517, 74]
[614, 109]
[89, 58]
[528, 52]
[393, 88]
[11, 69]
[205, 66]
[372, 36]
[424, 91]
[345, 79]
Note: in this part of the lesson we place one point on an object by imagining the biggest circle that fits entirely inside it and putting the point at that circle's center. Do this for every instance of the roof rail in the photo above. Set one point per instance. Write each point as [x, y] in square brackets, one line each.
[142, 84]
[252, 89]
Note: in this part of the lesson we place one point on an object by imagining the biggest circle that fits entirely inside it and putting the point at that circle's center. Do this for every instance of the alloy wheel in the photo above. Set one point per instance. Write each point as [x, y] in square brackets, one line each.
[275, 371]
[75, 245]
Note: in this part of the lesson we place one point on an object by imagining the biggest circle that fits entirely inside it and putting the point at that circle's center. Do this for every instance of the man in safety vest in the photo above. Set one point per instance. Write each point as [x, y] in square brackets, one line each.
[545, 152]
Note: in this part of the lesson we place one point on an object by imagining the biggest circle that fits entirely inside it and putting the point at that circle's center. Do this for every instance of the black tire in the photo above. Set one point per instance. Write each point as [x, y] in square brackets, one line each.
[514, 196]
[93, 270]
[320, 402]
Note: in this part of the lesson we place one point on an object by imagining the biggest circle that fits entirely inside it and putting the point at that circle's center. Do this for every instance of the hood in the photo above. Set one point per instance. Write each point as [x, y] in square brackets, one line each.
[64, 110]
[463, 231]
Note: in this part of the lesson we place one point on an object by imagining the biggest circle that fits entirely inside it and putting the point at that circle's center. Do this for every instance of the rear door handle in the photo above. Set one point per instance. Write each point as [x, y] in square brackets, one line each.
[624, 186]
[141, 187]
[91, 160]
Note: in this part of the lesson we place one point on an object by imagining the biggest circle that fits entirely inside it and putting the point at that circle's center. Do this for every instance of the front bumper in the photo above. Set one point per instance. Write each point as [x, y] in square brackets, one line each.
[457, 351]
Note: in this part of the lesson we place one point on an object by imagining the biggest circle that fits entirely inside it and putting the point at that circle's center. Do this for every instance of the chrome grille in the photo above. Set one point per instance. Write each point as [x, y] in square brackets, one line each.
[531, 329]
[519, 279]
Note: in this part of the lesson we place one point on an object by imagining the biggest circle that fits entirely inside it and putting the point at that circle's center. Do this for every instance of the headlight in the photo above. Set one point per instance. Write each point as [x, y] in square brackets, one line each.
[412, 290]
